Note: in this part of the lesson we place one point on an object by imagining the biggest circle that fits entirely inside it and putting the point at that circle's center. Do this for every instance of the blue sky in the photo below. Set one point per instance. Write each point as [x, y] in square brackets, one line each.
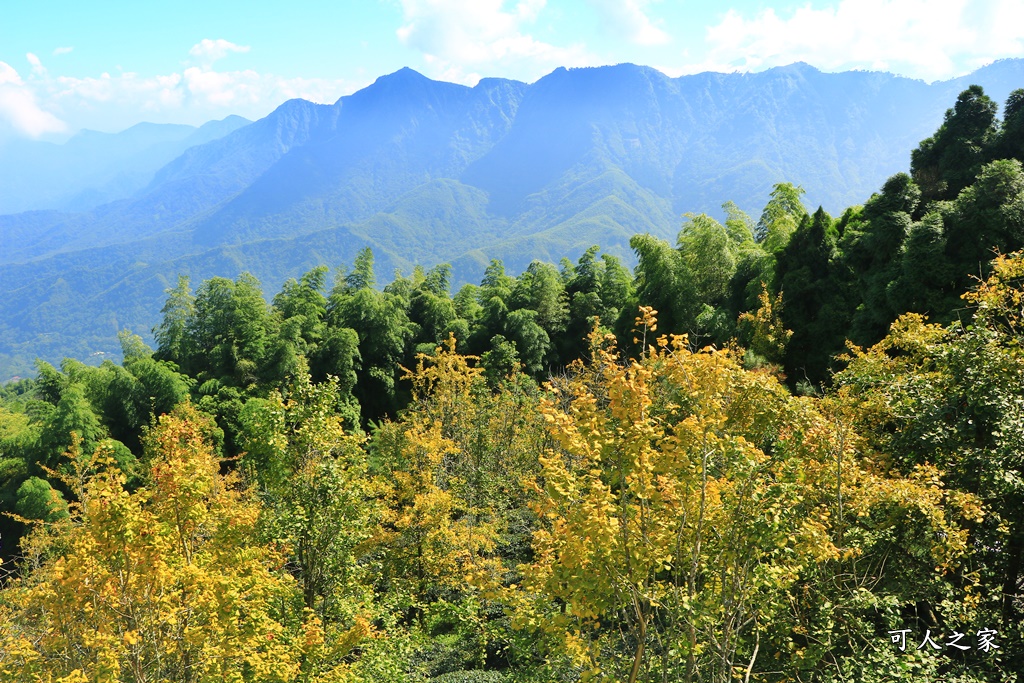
[109, 64]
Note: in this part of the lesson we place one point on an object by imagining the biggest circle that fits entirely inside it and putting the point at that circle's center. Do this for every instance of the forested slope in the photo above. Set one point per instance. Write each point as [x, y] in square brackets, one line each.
[425, 172]
[578, 473]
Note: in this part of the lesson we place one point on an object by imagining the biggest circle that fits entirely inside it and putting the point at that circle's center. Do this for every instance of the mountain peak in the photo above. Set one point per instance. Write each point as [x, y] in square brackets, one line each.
[291, 109]
[619, 73]
[796, 67]
[485, 83]
[402, 86]
[403, 75]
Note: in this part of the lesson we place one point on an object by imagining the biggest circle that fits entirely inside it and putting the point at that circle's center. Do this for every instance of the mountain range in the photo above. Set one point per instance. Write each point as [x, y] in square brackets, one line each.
[95, 168]
[427, 172]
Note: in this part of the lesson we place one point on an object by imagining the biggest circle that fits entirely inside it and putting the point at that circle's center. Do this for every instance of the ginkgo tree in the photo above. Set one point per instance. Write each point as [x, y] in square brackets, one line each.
[455, 523]
[687, 503]
[167, 583]
[319, 504]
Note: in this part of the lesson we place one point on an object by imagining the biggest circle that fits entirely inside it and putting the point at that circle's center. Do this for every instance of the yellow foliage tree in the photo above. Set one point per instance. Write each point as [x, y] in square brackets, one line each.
[763, 331]
[318, 498]
[163, 584]
[452, 467]
[950, 397]
[686, 502]
[434, 535]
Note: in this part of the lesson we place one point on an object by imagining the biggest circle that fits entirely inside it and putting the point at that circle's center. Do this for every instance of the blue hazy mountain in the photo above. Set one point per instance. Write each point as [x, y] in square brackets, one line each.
[94, 168]
[425, 172]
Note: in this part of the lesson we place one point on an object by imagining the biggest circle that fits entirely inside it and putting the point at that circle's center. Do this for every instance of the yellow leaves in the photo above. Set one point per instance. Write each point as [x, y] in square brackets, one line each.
[999, 300]
[763, 331]
[1007, 269]
[167, 577]
[76, 676]
[451, 476]
[647, 318]
[438, 535]
[684, 486]
[445, 374]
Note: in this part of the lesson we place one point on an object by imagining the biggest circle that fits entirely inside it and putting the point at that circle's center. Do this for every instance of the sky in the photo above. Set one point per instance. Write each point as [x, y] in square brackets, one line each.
[66, 65]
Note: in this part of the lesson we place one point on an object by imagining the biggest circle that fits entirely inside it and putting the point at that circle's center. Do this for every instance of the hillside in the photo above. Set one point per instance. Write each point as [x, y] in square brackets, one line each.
[427, 172]
[783, 449]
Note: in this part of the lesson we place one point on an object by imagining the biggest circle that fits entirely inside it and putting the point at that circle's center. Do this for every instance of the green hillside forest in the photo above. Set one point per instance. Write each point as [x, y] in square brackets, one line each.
[781, 449]
[428, 172]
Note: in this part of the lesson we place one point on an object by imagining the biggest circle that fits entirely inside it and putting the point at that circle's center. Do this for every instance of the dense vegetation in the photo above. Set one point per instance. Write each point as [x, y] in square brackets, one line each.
[427, 172]
[683, 473]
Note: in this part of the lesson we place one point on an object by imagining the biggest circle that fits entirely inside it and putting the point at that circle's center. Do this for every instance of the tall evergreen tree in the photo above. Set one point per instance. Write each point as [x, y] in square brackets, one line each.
[872, 250]
[947, 162]
[804, 271]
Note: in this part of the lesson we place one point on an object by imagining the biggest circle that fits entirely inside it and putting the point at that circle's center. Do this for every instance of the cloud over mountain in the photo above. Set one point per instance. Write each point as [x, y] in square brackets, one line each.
[20, 109]
[919, 38]
[460, 40]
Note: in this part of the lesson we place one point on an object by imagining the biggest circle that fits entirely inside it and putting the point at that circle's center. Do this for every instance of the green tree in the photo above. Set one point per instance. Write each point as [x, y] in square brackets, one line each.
[583, 293]
[362, 275]
[1011, 134]
[926, 279]
[948, 161]
[73, 417]
[660, 284]
[804, 272]
[304, 303]
[312, 477]
[617, 291]
[738, 224]
[431, 308]
[707, 261]
[987, 218]
[781, 216]
[540, 289]
[494, 294]
[707, 255]
[231, 332]
[872, 250]
[382, 327]
[172, 332]
[532, 342]
[37, 500]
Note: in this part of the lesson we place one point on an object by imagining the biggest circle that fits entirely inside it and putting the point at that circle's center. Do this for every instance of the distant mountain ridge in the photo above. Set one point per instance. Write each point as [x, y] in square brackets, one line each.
[94, 168]
[426, 172]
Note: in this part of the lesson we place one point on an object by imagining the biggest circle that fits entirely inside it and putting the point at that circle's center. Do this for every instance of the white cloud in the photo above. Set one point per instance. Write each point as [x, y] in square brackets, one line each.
[195, 94]
[926, 39]
[458, 38]
[627, 19]
[37, 66]
[19, 108]
[223, 88]
[57, 52]
[9, 75]
[208, 51]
